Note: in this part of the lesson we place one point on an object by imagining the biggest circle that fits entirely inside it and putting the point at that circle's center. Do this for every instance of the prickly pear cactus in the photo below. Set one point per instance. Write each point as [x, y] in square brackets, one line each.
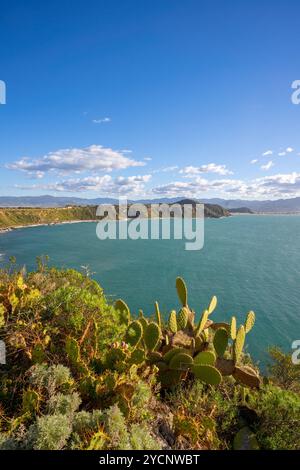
[181, 361]
[158, 315]
[221, 341]
[212, 305]
[182, 291]
[207, 373]
[134, 333]
[239, 344]
[250, 320]
[151, 336]
[205, 357]
[202, 323]
[233, 328]
[182, 318]
[172, 322]
[123, 308]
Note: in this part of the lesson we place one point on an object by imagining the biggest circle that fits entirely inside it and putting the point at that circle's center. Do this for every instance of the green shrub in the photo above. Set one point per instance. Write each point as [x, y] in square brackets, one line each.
[283, 372]
[141, 438]
[279, 424]
[49, 432]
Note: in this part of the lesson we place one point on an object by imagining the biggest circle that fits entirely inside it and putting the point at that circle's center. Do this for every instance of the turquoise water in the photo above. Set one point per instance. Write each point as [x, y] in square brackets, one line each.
[249, 262]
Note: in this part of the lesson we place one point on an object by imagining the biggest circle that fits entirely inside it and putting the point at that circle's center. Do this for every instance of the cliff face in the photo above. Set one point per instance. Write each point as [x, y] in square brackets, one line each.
[17, 217]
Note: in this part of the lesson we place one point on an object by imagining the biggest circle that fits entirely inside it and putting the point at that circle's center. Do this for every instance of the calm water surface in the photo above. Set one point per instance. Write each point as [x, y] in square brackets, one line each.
[249, 262]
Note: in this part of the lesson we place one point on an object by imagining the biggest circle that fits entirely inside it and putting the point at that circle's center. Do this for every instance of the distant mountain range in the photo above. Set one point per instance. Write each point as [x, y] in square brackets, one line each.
[278, 206]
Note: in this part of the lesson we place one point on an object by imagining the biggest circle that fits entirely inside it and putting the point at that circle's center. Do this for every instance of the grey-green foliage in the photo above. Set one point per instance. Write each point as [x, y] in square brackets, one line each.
[84, 421]
[141, 438]
[64, 404]
[115, 427]
[49, 432]
[54, 378]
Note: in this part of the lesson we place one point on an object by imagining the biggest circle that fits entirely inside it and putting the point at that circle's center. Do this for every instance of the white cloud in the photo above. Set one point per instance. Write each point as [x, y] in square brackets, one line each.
[267, 166]
[254, 161]
[268, 187]
[101, 120]
[76, 160]
[192, 171]
[198, 187]
[289, 149]
[267, 152]
[148, 159]
[105, 185]
[281, 154]
[169, 168]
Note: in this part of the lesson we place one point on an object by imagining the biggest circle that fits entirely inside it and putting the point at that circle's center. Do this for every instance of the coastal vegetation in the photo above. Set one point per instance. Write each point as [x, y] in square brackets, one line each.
[26, 216]
[81, 373]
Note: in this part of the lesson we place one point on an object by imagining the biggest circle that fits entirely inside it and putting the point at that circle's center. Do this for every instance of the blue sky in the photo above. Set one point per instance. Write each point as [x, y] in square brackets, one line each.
[160, 98]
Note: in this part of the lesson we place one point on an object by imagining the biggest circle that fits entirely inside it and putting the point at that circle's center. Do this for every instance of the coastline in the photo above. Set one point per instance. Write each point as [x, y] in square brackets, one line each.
[19, 227]
[67, 222]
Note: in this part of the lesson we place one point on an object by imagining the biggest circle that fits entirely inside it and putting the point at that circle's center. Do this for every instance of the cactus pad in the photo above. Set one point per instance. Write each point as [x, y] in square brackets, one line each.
[172, 322]
[181, 361]
[205, 357]
[220, 341]
[212, 305]
[182, 318]
[233, 328]
[250, 320]
[123, 308]
[207, 374]
[158, 315]
[202, 323]
[239, 343]
[168, 355]
[181, 291]
[134, 333]
[151, 336]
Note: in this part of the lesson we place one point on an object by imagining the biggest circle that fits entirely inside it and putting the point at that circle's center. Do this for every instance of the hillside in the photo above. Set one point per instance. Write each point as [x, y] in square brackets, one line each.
[17, 217]
[291, 205]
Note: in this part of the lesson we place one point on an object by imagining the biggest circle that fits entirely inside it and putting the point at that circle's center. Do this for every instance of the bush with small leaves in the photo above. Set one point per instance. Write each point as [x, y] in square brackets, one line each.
[64, 404]
[49, 432]
[142, 439]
